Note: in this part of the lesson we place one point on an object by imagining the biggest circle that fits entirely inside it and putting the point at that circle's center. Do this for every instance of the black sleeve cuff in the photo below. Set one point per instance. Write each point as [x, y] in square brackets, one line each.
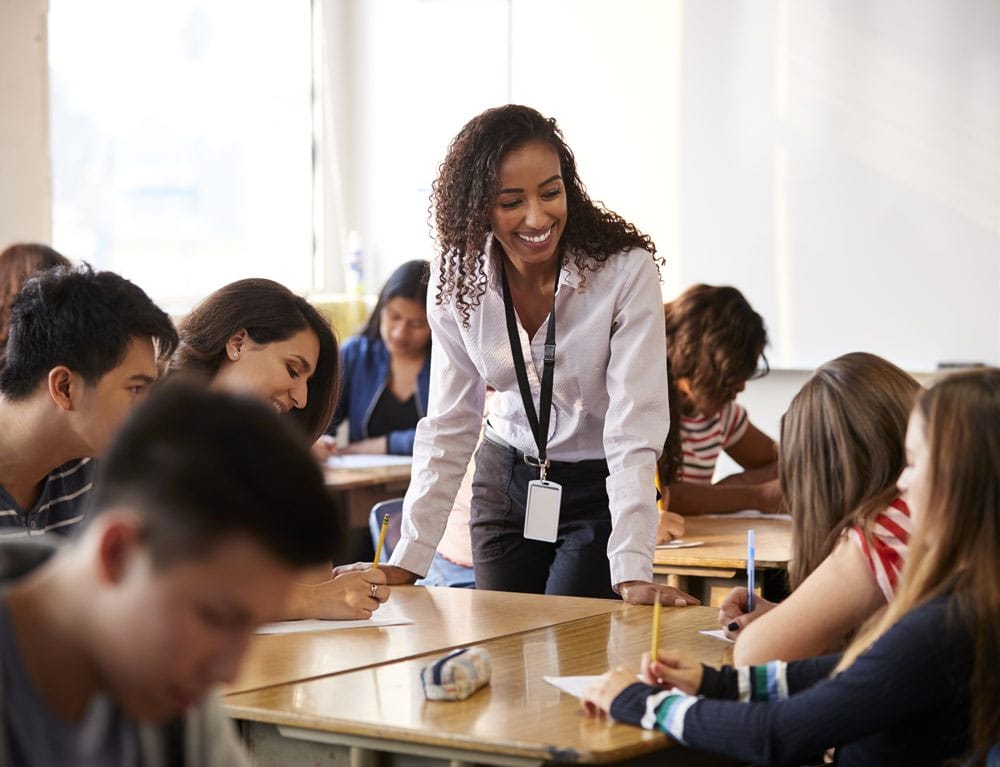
[630, 704]
[720, 684]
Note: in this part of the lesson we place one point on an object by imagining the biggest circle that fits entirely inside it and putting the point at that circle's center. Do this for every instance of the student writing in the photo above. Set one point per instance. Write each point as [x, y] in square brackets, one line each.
[715, 342]
[918, 685]
[255, 337]
[841, 452]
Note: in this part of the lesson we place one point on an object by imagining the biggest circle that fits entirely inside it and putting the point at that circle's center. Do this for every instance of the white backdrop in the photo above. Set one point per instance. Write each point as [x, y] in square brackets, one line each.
[837, 160]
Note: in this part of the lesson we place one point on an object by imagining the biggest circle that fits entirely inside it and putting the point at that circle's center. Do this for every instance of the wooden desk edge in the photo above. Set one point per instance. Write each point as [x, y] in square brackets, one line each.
[399, 740]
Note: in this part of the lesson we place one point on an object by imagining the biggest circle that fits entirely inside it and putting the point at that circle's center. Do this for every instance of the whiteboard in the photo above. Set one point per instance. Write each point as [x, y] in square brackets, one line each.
[837, 160]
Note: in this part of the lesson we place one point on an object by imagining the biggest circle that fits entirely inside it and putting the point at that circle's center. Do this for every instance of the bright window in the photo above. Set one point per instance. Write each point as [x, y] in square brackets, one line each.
[182, 141]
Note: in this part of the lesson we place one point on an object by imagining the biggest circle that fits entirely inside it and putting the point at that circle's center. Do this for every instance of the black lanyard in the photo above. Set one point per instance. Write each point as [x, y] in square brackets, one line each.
[539, 422]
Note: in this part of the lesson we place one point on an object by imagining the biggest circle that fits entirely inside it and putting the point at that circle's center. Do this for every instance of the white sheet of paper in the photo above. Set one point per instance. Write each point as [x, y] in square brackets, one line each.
[748, 514]
[294, 627]
[573, 685]
[716, 634]
[365, 461]
[679, 543]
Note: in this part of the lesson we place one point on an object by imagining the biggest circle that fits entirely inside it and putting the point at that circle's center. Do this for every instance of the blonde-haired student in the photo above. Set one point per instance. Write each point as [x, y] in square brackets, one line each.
[918, 685]
[715, 342]
[841, 453]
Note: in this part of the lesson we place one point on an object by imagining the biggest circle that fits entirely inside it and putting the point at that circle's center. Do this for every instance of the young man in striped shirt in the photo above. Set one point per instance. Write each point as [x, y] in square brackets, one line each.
[82, 351]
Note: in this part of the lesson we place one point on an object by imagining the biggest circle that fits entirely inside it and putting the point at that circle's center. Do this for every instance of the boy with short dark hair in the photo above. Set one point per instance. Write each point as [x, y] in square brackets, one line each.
[83, 349]
[205, 511]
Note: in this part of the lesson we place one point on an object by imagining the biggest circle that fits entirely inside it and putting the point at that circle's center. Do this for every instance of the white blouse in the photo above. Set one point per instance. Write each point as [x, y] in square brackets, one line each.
[609, 400]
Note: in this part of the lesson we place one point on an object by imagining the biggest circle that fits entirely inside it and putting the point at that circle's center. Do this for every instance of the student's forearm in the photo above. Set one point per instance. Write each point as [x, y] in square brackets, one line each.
[688, 499]
[752, 476]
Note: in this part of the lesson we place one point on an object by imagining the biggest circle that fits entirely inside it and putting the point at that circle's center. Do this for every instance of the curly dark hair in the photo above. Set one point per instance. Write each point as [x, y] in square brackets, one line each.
[716, 340]
[466, 188]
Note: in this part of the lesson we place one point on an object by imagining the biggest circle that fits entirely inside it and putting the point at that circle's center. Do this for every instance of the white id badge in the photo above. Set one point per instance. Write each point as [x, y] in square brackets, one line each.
[541, 513]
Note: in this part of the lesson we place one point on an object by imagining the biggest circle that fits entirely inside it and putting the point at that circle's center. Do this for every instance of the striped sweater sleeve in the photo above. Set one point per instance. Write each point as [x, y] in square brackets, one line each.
[905, 701]
[654, 708]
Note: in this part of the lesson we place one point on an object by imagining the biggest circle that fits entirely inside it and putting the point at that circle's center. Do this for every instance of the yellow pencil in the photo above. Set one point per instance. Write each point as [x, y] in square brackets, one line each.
[381, 538]
[654, 651]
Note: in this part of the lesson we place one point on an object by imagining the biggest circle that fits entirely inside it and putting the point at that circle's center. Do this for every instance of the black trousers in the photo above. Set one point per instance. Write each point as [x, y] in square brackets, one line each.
[576, 564]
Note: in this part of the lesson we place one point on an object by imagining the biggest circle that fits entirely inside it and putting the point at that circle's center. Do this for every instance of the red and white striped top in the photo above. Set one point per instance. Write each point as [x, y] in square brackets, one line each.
[891, 538]
[704, 437]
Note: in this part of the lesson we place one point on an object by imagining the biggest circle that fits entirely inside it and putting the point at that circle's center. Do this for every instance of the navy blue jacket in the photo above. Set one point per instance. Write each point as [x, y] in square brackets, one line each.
[365, 372]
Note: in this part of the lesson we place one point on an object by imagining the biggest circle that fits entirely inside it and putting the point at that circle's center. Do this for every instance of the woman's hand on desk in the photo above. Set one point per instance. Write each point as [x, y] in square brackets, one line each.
[597, 698]
[395, 576]
[672, 668]
[370, 446]
[733, 614]
[769, 496]
[353, 595]
[324, 447]
[644, 593]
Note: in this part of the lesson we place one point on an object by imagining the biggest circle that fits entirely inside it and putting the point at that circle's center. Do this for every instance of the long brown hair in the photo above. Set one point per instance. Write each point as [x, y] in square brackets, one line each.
[269, 312]
[18, 263]
[956, 545]
[841, 452]
[466, 188]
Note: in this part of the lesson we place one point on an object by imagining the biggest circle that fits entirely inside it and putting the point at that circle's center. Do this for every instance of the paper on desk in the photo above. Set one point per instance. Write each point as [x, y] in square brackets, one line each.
[365, 461]
[679, 543]
[748, 514]
[716, 634]
[295, 627]
[573, 685]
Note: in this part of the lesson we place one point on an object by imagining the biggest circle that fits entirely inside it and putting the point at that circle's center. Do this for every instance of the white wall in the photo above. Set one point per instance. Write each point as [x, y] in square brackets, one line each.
[25, 173]
[837, 160]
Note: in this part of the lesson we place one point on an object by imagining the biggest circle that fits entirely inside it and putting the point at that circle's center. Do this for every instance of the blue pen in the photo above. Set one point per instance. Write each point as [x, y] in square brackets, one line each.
[750, 570]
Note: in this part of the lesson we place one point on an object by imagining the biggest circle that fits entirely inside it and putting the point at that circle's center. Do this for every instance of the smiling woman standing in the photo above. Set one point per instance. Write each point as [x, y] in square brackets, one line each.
[530, 272]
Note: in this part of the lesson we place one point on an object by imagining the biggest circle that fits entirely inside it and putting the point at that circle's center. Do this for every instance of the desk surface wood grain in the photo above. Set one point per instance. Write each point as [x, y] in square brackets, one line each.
[372, 476]
[443, 618]
[518, 714]
[725, 544]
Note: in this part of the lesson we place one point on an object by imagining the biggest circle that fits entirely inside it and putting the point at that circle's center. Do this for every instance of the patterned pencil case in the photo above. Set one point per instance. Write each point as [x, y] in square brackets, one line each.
[457, 675]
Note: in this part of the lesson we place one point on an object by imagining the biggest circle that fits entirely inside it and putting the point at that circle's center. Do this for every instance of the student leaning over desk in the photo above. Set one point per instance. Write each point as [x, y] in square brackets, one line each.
[110, 648]
[919, 684]
[841, 453]
[255, 337]
[82, 352]
[715, 342]
[510, 207]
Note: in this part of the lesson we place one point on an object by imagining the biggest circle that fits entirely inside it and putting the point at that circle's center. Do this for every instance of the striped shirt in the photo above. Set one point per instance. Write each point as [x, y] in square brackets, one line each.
[59, 507]
[704, 437]
[890, 539]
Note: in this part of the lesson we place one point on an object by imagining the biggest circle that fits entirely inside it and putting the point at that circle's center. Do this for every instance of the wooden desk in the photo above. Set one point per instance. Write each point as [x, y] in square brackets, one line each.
[443, 619]
[373, 476]
[724, 553]
[373, 715]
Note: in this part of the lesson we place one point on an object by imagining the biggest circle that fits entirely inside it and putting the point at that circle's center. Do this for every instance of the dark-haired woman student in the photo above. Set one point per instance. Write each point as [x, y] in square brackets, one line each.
[386, 369]
[919, 684]
[257, 338]
[554, 302]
